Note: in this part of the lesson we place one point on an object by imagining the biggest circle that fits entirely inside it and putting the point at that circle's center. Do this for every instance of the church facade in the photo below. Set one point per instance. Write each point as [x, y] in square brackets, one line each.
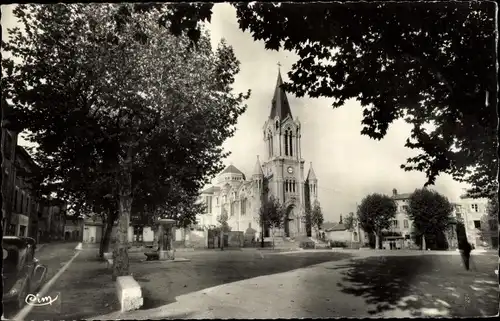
[280, 173]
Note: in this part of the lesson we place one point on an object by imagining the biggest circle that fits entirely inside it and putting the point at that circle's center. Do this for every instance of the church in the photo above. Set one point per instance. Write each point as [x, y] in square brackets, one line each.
[280, 174]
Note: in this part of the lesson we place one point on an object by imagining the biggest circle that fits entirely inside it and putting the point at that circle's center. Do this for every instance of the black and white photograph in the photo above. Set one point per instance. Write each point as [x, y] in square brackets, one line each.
[249, 160]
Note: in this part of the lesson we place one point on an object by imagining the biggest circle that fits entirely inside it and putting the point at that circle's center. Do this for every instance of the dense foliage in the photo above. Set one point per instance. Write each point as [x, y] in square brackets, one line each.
[351, 221]
[112, 98]
[430, 213]
[375, 214]
[429, 63]
[271, 214]
[317, 218]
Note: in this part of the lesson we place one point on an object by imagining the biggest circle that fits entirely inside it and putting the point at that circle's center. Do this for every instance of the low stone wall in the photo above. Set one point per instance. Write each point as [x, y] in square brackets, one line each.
[236, 239]
[196, 239]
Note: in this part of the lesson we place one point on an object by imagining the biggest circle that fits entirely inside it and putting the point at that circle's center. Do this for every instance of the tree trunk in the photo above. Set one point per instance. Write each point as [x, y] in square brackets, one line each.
[106, 235]
[377, 241]
[262, 236]
[120, 253]
[423, 242]
[222, 240]
[272, 231]
[106, 240]
[155, 239]
[101, 243]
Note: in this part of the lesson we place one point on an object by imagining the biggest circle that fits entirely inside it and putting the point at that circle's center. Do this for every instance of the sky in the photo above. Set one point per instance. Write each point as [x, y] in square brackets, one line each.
[348, 165]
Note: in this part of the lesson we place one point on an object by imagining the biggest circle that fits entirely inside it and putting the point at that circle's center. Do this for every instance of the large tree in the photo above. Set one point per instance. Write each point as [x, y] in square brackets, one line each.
[430, 213]
[102, 86]
[272, 215]
[375, 214]
[317, 218]
[429, 63]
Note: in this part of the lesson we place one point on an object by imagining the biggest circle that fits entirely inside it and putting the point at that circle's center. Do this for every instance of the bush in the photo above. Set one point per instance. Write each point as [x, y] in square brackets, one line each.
[307, 244]
[338, 244]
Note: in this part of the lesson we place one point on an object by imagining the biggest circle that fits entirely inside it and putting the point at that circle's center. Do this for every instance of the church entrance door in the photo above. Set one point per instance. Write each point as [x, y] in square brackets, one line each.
[288, 226]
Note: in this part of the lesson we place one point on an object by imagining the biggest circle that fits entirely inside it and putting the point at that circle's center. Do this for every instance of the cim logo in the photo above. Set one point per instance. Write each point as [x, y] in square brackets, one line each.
[38, 301]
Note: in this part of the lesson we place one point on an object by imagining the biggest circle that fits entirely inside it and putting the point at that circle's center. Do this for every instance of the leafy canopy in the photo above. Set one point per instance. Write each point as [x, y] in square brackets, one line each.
[272, 214]
[350, 222]
[430, 63]
[222, 221]
[99, 84]
[429, 211]
[376, 212]
[317, 218]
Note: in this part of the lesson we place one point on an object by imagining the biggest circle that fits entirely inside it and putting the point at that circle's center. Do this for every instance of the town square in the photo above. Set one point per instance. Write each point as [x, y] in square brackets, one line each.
[248, 160]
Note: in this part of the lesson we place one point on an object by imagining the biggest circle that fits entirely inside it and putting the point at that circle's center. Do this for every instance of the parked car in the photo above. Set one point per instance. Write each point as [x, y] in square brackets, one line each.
[22, 272]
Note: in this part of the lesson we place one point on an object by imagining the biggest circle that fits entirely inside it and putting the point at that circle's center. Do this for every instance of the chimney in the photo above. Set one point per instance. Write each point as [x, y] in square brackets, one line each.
[394, 192]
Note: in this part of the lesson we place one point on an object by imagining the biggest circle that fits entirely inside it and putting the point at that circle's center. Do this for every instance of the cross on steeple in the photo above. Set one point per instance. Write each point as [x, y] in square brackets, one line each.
[280, 105]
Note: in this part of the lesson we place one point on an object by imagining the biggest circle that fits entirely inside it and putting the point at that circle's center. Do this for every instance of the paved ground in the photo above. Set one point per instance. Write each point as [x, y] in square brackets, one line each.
[85, 289]
[55, 255]
[399, 285]
[163, 282]
[251, 284]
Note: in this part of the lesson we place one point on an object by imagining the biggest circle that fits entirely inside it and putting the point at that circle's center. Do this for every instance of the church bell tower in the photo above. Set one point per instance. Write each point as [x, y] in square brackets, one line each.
[283, 165]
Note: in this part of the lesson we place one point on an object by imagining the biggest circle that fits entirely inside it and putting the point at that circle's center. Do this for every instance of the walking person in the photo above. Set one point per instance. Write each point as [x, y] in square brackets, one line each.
[465, 251]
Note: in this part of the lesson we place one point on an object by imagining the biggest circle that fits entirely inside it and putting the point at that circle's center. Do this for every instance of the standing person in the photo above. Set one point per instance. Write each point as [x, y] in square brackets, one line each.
[465, 251]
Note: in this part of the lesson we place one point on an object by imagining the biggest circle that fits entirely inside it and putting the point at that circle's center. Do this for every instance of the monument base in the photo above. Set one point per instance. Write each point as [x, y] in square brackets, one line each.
[166, 255]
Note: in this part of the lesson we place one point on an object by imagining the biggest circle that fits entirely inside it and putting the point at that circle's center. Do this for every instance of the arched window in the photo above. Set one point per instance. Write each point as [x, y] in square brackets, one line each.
[277, 124]
[290, 137]
[270, 143]
[286, 142]
[293, 186]
[243, 206]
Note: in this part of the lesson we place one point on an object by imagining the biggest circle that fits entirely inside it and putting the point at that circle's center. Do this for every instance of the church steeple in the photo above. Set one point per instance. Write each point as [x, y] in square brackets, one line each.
[280, 106]
[311, 176]
[257, 172]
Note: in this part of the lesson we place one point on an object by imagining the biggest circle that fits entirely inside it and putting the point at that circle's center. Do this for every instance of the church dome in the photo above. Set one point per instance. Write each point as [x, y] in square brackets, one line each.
[231, 169]
[231, 174]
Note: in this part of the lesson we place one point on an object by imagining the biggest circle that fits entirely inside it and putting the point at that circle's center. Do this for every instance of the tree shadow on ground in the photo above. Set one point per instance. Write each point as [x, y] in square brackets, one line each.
[381, 284]
[421, 285]
[162, 282]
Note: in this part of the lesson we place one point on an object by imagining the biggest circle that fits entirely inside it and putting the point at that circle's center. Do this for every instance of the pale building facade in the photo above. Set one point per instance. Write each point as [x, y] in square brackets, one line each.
[481, 232]
[280, 173]
[401, 224]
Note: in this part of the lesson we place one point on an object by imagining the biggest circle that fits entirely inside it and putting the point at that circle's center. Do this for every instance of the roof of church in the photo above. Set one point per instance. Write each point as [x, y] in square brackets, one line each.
[258, 168]
[232, 170]
[337, 227]
[403, 196]
[280, 106]
[211, 190]
[311, 175]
